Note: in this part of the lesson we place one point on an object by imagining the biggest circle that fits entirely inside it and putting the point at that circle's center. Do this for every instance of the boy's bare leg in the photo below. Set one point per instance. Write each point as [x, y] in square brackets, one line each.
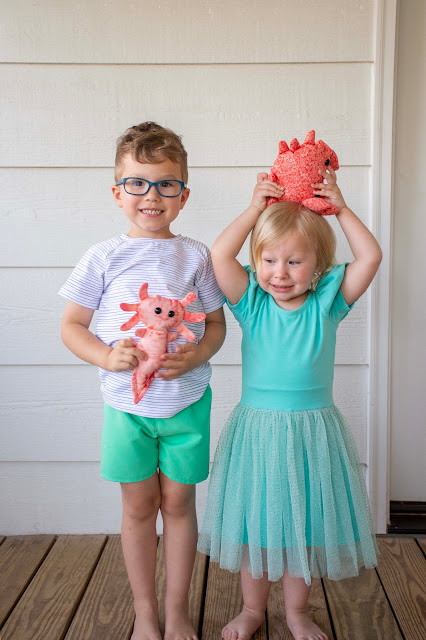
[180, 546]
[141, 502]
[255, 596]
[296, 596]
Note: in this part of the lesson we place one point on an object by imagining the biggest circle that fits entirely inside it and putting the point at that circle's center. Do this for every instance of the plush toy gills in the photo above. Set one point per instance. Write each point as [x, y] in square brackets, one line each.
[296, 169]
[159, 315]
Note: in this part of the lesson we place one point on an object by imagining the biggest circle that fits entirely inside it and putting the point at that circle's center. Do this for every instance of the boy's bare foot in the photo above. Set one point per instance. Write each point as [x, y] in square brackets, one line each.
[146, 625]
[178, 624]
[244, 625]
[303, 628]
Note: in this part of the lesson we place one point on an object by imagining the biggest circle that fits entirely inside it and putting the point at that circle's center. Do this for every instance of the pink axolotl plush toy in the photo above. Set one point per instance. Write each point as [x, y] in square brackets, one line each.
[158, 315]
[296, 169]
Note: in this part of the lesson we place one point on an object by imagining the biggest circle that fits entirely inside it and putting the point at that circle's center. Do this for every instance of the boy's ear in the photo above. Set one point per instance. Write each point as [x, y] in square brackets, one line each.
[117, 195]
[184, 197]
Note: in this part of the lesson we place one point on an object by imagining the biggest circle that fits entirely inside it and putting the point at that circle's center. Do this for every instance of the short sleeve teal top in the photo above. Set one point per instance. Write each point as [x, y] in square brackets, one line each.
[288, 356]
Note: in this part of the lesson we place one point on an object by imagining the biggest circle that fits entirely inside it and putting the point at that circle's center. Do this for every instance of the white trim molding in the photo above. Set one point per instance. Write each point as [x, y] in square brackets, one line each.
[383, 96]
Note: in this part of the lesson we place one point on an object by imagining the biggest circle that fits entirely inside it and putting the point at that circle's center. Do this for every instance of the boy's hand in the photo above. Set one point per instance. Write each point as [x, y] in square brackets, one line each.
[125, 355]
[329, 189]
[176, 364]
[264, 190]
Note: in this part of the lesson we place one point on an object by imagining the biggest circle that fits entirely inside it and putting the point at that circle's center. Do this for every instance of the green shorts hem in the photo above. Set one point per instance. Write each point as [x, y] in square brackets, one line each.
[128, 480]
[187, 481]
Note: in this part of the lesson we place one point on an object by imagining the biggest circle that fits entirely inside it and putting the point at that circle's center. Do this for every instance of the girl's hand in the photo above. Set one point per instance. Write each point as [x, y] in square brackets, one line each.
[329, 189]
[176, 364]
[125, 355]
[264, 190]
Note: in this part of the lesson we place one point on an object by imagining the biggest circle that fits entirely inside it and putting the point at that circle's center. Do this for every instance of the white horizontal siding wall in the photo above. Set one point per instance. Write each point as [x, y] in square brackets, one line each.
[233, 78]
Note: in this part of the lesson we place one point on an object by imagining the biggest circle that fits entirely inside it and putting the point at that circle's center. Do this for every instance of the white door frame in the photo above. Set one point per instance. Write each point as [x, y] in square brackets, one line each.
[383, 96]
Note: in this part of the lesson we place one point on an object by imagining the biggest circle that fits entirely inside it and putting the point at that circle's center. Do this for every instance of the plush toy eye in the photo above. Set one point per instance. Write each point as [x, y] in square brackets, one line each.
[157, 310]
[171, 314]
[327, 162]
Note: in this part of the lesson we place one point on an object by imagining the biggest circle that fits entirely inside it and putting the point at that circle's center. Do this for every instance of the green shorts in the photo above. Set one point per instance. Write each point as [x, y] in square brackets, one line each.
[134, 447]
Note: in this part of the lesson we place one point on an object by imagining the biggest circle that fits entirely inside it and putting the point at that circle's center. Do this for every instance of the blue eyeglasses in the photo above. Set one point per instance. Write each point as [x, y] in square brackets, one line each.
[140, 186]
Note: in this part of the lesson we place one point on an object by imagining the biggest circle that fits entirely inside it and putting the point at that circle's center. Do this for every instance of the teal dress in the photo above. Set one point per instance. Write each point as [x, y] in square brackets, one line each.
[286, 489]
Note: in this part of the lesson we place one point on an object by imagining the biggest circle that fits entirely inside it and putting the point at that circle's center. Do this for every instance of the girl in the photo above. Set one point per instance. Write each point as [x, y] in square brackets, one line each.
[286, 495]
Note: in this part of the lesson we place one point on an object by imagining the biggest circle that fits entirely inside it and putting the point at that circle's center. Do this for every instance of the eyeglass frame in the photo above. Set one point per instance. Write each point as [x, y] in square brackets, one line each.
[151, 184]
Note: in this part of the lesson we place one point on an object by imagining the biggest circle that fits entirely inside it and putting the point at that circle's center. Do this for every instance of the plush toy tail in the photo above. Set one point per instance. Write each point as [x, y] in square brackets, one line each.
[140, 384]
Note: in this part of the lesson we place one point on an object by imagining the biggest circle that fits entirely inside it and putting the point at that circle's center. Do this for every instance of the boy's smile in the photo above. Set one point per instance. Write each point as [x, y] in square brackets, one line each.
[150, 214]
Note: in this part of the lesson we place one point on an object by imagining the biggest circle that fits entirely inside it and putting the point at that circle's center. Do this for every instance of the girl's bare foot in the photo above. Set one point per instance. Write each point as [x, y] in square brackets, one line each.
[178, 624]
[146, 625]
[303, 628]
[244, 625]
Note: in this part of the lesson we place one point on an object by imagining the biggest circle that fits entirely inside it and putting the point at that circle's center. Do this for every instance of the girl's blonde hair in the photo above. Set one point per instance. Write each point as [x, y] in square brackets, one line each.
[283, 218]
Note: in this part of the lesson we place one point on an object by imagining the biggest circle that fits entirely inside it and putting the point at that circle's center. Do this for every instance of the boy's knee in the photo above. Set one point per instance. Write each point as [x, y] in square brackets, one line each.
[177, 504]
[140, 505]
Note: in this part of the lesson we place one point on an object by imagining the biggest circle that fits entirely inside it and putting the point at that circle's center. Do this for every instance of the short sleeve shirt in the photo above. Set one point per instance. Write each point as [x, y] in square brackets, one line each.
[288, 356]
[112, 272]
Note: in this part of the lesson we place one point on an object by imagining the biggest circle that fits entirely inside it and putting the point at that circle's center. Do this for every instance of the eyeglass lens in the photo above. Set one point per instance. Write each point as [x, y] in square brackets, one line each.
[138, 186]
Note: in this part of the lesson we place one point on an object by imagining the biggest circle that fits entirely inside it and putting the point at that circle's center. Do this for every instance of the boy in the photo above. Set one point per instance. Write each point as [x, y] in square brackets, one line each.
[157, 449]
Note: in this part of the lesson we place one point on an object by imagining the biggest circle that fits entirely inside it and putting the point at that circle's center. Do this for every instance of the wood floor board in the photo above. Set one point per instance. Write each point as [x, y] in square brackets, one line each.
[106, 610]
[359, 608]
[402, 570]
[20, 557]
[422, 543]
[47, 607]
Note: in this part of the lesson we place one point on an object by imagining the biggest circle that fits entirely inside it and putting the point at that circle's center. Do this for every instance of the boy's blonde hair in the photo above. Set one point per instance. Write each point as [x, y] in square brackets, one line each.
[282, 218]
[150, 142]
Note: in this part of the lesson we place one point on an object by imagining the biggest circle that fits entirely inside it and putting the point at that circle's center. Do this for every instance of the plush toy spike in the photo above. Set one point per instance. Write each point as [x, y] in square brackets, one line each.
[296, 169]
[159, 315]
[310, 137]
[294, 144]
[283, 146]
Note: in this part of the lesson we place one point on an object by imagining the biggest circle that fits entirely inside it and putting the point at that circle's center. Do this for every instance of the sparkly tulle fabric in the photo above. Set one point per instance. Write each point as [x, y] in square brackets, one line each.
[287, 493]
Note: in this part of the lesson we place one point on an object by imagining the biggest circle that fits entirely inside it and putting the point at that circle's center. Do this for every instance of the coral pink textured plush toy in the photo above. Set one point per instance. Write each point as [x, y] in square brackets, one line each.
[296, 169]
[159, 315]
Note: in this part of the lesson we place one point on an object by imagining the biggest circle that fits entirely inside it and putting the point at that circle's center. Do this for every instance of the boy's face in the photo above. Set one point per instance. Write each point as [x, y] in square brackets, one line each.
[150, 214]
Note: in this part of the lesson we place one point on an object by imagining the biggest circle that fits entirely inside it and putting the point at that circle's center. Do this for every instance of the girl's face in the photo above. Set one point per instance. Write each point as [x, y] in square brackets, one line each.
[286, 271]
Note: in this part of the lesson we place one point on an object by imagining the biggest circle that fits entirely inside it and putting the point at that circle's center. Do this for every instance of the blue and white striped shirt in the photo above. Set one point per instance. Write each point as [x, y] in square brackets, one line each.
[112, 272]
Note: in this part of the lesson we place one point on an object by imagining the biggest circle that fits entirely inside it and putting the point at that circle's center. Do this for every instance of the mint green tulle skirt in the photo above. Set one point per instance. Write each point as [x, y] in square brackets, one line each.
[287, 492]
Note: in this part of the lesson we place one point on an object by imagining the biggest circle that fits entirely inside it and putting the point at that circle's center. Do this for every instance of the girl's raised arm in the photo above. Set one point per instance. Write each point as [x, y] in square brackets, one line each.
[366, 251]
[232, 278]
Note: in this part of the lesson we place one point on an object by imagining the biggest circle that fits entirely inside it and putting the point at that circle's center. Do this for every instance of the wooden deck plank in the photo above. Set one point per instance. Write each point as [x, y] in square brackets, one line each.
[196, 590]
[317, 609]
[106, 610]
[422, 543]
[46, 609]
[2, 539]
[402, 570]
[20, 557]
[223, 602]
[359, 608]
